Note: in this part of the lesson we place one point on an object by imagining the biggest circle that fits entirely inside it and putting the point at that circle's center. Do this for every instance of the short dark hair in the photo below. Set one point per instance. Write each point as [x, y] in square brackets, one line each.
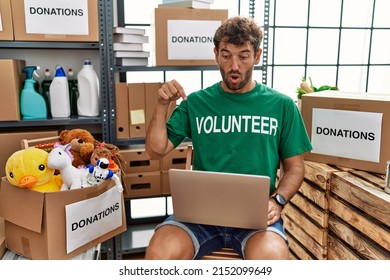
[239, 30]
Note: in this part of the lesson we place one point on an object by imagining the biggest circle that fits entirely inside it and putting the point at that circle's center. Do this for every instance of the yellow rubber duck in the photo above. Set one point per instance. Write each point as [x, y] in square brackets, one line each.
[28, 169]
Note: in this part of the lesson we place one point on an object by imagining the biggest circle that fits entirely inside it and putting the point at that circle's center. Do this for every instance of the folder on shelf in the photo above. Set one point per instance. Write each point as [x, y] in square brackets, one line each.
[136, 93]
[122, 111]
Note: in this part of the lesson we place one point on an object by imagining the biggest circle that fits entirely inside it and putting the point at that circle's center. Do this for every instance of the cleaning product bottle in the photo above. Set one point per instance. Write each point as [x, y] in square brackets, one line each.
[73, 93]
[45, 86]
[88, 102]
[32, 104]
[59, 95]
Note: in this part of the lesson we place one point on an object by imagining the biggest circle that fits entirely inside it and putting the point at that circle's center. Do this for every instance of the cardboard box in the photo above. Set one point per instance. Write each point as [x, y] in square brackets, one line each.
[11, 143]
[11, 81]
[2, 238]
[138, 161]
[7, 29]
[185, 36]
[165, 187]
[136, 93]
[43, 225]
[122, 111]
[56, 33]
[143, 184]
[348, 129]
[176, 159]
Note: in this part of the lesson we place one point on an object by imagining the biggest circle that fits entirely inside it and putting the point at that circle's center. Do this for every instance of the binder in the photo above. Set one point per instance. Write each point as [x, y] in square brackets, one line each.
[122, 111]
[136, 94]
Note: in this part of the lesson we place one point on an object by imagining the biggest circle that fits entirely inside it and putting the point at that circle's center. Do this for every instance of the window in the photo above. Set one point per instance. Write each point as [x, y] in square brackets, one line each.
[335, 42]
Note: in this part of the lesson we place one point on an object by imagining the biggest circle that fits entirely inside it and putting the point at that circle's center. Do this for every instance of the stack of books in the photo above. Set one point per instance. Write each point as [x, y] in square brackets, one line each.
[128, 46]
[194, 4]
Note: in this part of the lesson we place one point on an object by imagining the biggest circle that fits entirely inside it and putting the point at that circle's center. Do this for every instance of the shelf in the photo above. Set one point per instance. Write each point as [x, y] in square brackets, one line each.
[170, 68]
[49, 45]
[126, 142]
[51, 122]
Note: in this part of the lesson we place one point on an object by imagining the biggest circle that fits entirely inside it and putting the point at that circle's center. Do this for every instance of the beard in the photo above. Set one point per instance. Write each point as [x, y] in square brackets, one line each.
[245, 79]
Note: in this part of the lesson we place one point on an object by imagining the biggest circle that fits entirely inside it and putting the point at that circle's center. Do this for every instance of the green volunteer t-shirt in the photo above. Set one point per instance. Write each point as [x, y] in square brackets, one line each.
[239, 133]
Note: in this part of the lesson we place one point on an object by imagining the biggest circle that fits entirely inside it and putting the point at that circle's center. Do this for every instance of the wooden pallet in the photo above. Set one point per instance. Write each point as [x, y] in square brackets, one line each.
[304, 242]
[306, 215]
[346, 243]
[360, 217]
[223, 254]
[297, 250]
[339, 213]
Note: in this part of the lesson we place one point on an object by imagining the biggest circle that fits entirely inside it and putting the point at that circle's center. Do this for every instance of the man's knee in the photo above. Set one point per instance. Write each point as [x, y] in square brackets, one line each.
[267, 245]
[170, 242]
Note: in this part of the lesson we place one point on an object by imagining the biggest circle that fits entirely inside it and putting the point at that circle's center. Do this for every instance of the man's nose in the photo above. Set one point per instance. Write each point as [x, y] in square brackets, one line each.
[235, 63]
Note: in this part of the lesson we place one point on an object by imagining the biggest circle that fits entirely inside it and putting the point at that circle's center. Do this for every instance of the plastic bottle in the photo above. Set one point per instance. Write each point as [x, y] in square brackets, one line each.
[88, 103]
[73, 93]
[59, 95]
[45, 90]
[32, 104]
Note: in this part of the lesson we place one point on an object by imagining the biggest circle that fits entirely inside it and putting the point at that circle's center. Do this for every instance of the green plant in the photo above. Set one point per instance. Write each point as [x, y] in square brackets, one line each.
[307, 88]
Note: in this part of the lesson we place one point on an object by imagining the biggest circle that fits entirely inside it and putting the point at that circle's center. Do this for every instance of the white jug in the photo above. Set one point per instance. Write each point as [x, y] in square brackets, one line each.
[88, 102]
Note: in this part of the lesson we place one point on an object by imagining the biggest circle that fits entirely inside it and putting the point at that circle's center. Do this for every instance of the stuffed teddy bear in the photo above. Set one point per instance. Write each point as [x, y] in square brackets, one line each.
[83, 145]
[111, 152]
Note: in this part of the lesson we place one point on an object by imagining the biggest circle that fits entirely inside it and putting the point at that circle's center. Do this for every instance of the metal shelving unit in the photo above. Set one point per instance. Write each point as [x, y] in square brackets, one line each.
[102, 120]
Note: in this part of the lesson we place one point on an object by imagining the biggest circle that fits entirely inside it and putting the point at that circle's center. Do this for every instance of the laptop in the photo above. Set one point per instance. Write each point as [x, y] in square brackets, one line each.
[222, 199]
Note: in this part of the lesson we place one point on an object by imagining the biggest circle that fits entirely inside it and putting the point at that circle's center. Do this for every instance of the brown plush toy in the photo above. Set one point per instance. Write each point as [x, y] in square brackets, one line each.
[83, 145]
[110, 152]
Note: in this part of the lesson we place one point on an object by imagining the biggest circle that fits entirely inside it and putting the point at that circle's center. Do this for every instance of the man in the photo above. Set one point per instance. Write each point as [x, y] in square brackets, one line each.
[238, 126]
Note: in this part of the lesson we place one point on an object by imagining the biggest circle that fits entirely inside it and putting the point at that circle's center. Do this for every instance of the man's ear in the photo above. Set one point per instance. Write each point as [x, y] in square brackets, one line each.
[258, 56]
[216, 55]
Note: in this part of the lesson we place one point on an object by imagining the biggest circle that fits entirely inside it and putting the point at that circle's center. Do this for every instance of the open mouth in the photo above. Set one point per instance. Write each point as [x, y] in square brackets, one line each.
[234, 78]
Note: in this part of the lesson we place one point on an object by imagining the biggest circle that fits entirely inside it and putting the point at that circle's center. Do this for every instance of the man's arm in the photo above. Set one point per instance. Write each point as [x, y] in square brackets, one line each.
[292, 174]
[157, 143]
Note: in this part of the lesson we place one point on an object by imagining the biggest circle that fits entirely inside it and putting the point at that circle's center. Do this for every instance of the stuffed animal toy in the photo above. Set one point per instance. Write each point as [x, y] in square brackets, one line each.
[83, 144]
[28, 169]
[61, 158]
[111, 152]
[99, 173]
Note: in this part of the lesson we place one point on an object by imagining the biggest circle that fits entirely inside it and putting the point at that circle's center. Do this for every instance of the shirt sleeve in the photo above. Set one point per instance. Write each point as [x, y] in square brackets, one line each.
[294, 138]
[178, 126]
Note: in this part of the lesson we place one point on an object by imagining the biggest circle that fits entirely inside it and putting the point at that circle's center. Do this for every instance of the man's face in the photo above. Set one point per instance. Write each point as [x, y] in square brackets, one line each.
[236, 65]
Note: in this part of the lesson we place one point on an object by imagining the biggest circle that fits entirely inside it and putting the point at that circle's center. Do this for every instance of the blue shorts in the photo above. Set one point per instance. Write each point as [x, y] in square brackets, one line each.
[207, 239]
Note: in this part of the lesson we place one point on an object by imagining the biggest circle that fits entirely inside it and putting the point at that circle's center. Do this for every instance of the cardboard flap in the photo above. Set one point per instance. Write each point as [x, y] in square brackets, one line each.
[29, 210]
